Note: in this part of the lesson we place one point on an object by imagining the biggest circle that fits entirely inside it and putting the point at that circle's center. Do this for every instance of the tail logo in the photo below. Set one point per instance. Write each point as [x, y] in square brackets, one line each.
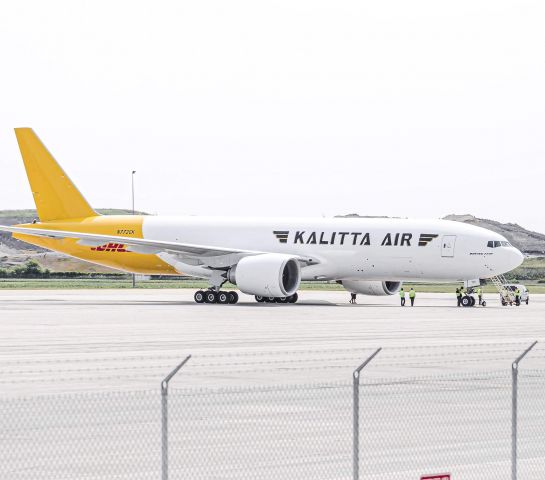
[110, 247]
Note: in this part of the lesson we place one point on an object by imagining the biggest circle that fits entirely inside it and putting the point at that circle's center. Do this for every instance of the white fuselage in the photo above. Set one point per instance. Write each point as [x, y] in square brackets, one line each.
[349, 248]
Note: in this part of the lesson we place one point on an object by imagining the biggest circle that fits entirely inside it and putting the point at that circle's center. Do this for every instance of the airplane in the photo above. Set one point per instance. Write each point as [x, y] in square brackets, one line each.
[266, 258]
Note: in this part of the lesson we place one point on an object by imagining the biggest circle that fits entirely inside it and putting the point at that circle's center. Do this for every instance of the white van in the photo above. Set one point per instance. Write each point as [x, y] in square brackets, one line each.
[524, 294]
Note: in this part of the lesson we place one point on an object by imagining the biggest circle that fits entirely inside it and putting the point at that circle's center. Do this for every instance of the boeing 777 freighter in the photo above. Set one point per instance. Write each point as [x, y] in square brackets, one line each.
[264, 257]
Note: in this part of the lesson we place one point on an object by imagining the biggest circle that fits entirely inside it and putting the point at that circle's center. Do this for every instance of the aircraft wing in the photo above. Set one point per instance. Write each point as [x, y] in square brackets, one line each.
[140, 245]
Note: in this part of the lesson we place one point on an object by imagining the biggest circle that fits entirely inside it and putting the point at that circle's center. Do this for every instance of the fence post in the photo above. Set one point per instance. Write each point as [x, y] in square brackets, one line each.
[356, 419]
[514, 411]
[164, 419]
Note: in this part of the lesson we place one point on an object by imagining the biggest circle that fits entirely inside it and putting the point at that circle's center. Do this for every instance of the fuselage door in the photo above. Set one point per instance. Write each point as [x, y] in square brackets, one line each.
[447, 245]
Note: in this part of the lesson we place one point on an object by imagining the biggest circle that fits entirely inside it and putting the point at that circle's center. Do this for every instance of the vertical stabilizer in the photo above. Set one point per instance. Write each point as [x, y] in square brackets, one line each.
[55, 195]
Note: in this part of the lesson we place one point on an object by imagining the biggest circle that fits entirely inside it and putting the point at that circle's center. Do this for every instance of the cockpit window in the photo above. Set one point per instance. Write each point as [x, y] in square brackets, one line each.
[498, 243]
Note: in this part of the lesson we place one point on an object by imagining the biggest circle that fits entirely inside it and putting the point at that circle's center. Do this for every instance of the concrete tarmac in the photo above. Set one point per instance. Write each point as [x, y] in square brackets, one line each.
[268, 391]
[96, 340]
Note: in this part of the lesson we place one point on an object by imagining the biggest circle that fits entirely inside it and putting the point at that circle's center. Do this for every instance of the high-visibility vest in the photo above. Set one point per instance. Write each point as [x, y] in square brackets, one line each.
[517, 292]
[479, 292]
[412, 294]
[402, 293]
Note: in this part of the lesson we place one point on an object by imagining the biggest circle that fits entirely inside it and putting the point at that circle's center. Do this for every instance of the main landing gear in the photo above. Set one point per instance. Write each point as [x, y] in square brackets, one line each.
[214, 294]
[226, 298]
[291, 299]
[211, 296]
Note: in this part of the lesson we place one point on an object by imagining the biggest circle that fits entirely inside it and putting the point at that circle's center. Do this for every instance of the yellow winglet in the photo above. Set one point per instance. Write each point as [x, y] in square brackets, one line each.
[55, 195]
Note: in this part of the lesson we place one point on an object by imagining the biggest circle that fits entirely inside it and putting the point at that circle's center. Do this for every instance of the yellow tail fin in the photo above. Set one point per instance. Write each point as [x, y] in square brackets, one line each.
[55, 195]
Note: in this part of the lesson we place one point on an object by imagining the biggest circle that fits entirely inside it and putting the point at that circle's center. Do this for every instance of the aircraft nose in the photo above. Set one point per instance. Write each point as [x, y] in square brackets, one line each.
[507, 259]
[515, 258]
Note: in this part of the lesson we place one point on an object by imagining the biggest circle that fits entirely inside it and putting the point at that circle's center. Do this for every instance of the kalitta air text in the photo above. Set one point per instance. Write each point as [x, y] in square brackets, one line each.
[398, 239]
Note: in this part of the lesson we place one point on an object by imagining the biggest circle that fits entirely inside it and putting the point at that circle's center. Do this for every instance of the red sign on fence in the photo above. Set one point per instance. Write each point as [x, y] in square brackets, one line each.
[441, 476]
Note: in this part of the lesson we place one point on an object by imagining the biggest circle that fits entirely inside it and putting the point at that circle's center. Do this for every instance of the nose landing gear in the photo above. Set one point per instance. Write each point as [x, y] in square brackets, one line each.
[468, 301]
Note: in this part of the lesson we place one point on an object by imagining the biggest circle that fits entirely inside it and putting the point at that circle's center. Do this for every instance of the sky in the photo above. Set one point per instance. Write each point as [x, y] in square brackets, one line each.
[416, 108]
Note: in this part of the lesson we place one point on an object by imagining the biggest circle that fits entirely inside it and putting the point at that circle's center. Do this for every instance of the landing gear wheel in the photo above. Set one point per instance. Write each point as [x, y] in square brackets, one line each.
[282, 300]
[270, 299]
[223, 298]
[466, 301]
[259, 299]
[233, 297]
[293, 298]
[210, 297]
[199, 296]
[472, 301]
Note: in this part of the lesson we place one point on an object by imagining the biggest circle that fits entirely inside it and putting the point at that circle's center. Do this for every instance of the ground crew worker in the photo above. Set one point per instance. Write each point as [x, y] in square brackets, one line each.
[352, 298]
[480, 295]
[517, 296]
[412, 294]
[459, 296]
[402, 296]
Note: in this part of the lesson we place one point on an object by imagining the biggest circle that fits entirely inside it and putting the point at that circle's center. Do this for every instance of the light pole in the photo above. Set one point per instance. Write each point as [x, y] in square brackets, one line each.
[132, 185]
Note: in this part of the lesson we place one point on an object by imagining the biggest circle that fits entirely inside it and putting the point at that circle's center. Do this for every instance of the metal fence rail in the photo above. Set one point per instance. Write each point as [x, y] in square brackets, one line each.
[364, 427]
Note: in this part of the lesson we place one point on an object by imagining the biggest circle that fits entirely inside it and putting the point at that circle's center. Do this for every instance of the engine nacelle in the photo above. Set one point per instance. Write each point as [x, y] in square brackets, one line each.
[267, 275]
[371, 287]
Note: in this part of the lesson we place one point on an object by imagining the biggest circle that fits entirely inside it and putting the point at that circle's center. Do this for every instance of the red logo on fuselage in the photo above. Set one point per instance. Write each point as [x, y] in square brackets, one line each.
[110, 247]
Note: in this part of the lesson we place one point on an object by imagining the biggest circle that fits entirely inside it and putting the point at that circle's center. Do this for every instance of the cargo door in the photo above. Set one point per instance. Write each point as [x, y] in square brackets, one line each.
[447, 245]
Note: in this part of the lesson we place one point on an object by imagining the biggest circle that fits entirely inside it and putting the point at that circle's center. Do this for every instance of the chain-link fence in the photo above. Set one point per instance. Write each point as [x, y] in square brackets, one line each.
[98, 436]
[459, 424]
[365, 427]
[531, 424]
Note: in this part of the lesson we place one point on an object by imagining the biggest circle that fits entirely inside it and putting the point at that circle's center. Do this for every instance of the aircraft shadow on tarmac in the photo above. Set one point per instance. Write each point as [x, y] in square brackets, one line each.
[304, 303]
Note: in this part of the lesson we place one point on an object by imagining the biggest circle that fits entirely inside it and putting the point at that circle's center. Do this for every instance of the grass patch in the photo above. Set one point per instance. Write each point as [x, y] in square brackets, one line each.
[91, 283]
[78, 284]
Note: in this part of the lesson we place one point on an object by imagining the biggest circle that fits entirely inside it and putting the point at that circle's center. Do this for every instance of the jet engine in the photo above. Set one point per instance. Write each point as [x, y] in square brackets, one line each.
[371, 287]
[267, 275]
